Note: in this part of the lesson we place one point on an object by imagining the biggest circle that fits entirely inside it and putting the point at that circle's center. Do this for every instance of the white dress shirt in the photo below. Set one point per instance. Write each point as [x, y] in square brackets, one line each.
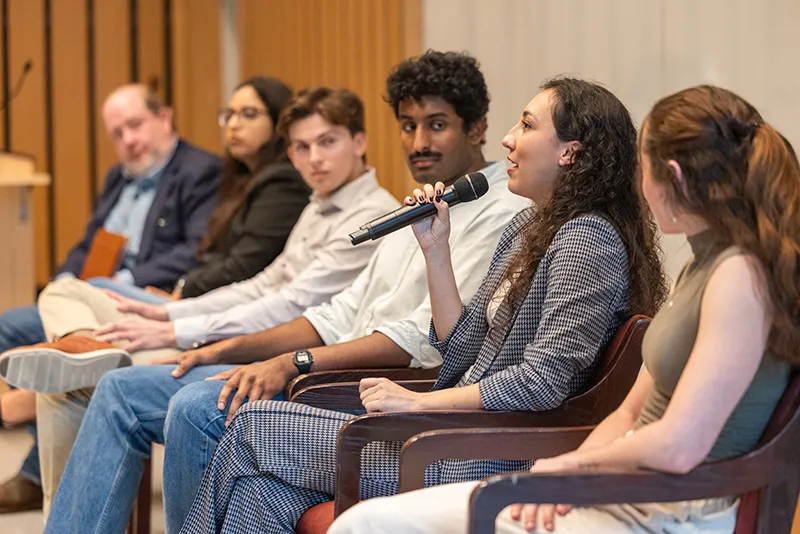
[318, 262]
[391, 295]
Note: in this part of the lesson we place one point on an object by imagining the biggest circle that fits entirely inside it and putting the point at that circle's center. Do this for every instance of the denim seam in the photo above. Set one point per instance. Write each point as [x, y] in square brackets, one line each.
[101, 524]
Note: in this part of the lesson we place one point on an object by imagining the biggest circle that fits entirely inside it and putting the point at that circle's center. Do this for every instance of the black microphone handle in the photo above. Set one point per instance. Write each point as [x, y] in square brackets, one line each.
[401, 217]
[447, 195]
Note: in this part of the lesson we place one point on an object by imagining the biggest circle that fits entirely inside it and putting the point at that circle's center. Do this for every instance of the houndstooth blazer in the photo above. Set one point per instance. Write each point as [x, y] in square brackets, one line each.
[546, 351]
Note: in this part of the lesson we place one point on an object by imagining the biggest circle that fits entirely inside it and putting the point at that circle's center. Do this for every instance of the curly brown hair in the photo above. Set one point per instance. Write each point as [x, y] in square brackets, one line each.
[600, 180]
[741, 177]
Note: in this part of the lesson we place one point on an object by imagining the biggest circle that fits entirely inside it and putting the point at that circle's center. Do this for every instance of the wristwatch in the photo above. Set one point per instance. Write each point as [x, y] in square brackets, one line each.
[303, 361]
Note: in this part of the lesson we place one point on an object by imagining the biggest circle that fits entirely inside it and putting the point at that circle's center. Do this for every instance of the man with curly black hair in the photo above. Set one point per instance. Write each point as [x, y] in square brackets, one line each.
[441, 102]
[382, 320]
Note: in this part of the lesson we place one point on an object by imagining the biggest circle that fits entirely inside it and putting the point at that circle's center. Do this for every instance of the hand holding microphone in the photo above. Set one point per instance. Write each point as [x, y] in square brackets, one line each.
[431, 232]
[465, 189]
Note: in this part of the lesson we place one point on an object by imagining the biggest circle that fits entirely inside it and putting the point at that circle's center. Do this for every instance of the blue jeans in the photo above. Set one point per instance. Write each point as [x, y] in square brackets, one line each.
[22, 326]
[19, 327]
[130, 409]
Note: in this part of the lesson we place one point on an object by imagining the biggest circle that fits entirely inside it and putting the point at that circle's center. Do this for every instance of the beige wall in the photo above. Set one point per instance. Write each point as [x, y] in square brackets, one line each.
[641, 49]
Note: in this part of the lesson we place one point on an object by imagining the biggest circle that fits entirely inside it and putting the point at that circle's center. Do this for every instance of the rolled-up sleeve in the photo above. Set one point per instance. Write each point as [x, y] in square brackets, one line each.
[587, 279]
[335, 319]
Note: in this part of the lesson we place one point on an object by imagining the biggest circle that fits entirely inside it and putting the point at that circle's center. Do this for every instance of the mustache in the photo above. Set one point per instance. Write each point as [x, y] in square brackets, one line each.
[424, 154]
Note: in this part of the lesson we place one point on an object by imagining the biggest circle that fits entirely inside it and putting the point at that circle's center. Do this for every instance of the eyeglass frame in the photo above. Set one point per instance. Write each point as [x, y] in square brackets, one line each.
[225, 115]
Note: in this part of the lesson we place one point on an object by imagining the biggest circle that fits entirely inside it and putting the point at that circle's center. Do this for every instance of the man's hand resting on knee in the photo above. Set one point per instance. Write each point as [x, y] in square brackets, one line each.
[257, 381]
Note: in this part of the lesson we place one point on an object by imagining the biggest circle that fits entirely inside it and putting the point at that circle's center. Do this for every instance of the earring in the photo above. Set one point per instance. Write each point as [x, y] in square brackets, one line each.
[674, 219]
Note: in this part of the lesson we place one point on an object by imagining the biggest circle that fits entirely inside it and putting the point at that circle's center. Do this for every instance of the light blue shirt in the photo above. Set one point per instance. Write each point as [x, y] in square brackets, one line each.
[129, 214]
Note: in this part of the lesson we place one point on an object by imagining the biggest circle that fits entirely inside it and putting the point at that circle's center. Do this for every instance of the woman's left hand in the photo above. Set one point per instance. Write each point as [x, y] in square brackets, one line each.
[383, 395]
[544, 513]
[139, 333]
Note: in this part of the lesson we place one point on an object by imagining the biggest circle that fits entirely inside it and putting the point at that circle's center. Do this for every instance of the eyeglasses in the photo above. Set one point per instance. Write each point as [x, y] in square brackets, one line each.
[247, 113]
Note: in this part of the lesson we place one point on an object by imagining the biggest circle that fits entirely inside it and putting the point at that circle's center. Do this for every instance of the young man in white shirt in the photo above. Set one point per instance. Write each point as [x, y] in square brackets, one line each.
[382, 320]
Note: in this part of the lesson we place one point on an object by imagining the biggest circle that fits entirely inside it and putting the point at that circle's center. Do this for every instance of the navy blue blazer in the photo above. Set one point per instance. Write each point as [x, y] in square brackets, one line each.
[176, 222]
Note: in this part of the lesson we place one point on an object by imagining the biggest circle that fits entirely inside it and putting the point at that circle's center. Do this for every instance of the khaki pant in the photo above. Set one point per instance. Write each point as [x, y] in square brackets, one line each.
[443, 509]
[68, 305]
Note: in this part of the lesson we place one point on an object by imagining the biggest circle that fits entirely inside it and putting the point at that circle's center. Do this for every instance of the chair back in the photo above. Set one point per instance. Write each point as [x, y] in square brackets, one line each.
[780, 498]
[614, 375]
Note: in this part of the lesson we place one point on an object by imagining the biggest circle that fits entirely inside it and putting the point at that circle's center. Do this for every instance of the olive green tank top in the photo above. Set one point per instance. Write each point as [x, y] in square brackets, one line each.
[668, 344]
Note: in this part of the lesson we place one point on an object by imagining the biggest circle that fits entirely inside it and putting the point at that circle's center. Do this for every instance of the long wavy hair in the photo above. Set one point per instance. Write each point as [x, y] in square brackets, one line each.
[742, 177]
[236, 179]
[602, 180]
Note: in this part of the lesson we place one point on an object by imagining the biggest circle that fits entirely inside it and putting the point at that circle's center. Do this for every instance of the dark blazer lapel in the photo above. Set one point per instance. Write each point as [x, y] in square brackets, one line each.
[168, 182]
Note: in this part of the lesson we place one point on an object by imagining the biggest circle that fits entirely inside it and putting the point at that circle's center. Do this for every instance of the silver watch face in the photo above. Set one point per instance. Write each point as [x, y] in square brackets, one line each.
[302, 358]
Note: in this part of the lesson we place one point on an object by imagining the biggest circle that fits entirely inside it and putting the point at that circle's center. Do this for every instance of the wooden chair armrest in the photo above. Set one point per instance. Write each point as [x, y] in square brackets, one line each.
[355, 375]
[400, 426]
[344, 396]
[715, 479]
[483, 444]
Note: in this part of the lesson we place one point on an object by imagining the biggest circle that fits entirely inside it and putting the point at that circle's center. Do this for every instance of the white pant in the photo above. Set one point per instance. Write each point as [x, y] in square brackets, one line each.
[68, 305]
[443, 510]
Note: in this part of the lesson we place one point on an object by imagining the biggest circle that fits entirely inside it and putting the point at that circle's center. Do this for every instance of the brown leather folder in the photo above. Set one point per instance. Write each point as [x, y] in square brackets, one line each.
[105, 255]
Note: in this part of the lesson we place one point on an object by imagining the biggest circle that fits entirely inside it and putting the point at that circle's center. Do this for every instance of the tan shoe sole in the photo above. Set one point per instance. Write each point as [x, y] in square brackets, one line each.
[46, 370]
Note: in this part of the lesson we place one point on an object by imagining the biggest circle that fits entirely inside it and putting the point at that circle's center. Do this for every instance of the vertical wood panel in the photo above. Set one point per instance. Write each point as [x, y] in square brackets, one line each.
[71, 171]
[196, 71]
[340, 43]
[6, 206]
[2, 78]
[28, 127]
[112, 68]
[150, 46]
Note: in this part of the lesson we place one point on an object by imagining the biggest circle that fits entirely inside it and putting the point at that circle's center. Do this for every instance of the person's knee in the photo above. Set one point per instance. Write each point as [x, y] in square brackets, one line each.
[195, 404]
[63, 287]
[116, 385]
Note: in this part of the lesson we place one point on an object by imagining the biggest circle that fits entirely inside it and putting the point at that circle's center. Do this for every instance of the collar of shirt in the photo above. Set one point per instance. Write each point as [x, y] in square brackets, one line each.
[152, 177]
[348, 194]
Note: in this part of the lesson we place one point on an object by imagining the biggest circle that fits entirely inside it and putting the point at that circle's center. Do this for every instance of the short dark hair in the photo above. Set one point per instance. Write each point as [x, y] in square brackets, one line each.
[337, 106]
[455, 77]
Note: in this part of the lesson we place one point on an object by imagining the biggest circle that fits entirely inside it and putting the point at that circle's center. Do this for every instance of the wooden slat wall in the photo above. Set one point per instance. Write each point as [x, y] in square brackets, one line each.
[27, 112]
[151, 46]
[81, 50]
[196, 70]
[72, 193]
[341, 43]
[112, 59]
[3, 7]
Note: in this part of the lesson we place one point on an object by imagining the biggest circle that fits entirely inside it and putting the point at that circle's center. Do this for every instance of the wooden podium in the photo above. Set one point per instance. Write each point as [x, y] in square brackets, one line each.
[17, 268]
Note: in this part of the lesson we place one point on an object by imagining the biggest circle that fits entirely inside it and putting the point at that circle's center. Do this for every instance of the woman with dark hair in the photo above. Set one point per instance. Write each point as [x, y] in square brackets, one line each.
[563, 277]
[717, 356]
[261, 193]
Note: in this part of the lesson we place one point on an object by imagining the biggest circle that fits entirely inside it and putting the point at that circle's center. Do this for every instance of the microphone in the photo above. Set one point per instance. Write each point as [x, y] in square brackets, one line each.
[465, 189]
[26, 68]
